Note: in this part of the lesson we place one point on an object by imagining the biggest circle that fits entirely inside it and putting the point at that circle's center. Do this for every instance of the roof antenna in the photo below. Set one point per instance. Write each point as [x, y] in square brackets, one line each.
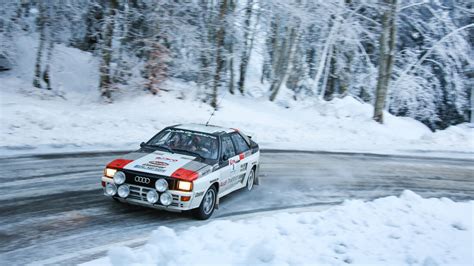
[215, 108]
[207, 123]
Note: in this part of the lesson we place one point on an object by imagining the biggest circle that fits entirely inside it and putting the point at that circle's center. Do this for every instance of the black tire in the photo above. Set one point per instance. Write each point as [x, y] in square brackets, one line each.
[204, 211]
[250, 180]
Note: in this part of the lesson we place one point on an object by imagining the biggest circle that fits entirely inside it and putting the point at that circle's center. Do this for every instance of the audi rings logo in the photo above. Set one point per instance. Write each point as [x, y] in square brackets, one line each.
[141, 179]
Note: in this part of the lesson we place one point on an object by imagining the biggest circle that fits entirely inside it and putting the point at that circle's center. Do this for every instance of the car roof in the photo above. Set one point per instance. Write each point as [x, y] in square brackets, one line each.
[210, 129]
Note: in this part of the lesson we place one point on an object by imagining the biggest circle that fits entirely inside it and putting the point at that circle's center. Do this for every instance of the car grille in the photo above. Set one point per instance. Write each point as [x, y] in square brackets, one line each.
[130, 179]
[139, 193]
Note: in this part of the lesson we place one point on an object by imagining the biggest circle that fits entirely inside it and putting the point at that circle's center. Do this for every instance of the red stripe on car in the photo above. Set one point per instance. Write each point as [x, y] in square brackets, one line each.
[119, 163]
[185, 174]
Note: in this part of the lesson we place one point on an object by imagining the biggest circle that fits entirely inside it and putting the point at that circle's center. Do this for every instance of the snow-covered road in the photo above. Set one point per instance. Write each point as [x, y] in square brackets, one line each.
[52, 206]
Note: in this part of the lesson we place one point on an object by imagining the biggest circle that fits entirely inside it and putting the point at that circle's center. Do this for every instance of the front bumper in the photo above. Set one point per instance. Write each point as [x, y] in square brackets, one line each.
[138, 197]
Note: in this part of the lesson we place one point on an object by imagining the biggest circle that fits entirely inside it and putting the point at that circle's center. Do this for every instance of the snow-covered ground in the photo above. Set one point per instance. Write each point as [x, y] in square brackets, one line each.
[35, 121]
[393, 230]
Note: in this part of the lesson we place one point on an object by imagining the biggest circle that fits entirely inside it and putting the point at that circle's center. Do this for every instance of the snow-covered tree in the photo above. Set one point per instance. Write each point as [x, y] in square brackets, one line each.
[308, 49]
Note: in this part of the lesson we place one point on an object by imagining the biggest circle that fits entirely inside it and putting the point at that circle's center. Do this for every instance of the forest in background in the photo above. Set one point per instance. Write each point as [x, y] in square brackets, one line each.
[412, 58]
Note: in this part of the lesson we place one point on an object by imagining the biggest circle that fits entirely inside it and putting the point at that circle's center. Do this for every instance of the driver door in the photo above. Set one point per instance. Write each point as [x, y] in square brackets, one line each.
[229, 163]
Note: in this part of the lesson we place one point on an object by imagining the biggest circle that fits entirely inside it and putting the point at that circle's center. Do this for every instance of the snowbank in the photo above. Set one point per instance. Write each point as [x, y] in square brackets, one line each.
[392, 230]
[36, 121]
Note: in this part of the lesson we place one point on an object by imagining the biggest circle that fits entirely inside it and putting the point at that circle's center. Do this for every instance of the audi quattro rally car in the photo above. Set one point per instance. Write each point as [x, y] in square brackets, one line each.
[185, 167]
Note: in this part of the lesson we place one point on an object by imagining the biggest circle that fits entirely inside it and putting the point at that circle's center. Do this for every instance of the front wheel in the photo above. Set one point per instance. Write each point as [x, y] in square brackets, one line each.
[208, 204]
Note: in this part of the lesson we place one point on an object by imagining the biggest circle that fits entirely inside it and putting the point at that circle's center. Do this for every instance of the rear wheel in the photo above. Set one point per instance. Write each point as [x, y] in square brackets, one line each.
[208, 203]
[251, 180]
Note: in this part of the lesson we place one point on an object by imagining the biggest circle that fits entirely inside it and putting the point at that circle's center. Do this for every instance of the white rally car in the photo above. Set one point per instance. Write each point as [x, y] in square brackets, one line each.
[185, 167]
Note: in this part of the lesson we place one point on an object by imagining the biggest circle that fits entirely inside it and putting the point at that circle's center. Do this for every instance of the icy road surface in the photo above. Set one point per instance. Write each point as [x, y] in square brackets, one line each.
[52, 208]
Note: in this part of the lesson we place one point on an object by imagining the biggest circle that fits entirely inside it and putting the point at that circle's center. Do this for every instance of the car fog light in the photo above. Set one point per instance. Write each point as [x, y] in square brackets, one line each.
[123, 191]
[161, 185]
[152, 197]
[119, 178]
[166, 198]
[110, 189]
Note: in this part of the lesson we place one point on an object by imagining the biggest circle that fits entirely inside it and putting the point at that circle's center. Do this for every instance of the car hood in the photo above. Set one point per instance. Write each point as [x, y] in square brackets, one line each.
[164, 163]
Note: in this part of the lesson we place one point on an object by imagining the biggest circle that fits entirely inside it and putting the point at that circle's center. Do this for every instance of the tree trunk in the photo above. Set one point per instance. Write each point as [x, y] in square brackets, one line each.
[387, 51]
[331, 77]
[279, 62]
[345, 80]
[219, 57]
[46, 73]
[229, 48]
[41, 21]
[271, 50]
[472, 105]
[323, 60]
[232, 76]
[287, 65]
[244, 59]
[105, 79]
[329, 72]
[95, 14]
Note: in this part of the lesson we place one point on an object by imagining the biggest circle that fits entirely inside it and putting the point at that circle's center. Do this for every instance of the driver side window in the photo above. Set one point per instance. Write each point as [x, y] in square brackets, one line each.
[227, 147]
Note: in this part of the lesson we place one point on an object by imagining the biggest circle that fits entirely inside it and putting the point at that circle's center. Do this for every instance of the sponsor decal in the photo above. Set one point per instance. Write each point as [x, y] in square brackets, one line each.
[232, 163]
[166, 159]
[226, 184]
[199, 194]
[150, 168]
[142, 179]
[205, 172]
[159, 164]
[243, 167]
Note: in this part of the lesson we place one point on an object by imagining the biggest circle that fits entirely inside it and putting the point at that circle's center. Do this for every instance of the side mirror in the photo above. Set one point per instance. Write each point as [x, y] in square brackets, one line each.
[142, 144]
[224, 157]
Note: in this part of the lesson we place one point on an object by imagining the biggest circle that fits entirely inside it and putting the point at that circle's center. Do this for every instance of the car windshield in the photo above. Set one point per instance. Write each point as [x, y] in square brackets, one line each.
[204, 145]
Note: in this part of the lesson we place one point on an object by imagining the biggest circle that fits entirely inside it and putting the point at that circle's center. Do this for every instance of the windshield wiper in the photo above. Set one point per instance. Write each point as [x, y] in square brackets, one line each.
[192, 152]
[162, 147]
[166, 148]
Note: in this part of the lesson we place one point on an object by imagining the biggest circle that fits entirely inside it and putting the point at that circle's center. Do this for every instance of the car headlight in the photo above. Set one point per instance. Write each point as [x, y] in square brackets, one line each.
[161, 185]
[110, 172]
[119, 178]
[166, 198]
[123, 191]
[185, 185]
[110, 189]
[152, 197]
